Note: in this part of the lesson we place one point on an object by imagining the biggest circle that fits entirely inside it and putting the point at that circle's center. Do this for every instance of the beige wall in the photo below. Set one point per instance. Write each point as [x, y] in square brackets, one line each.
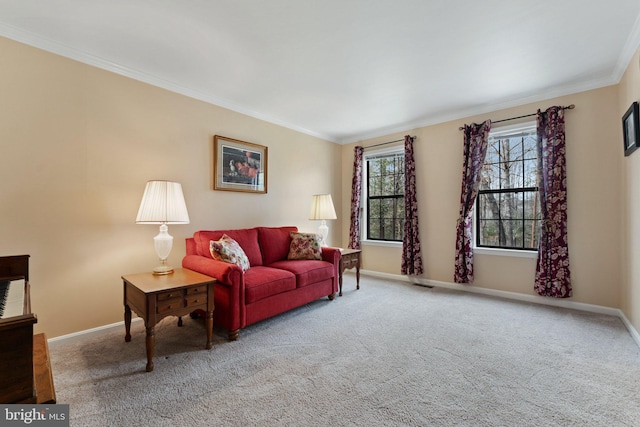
[594, 160]
[629, 91]
[77, 146]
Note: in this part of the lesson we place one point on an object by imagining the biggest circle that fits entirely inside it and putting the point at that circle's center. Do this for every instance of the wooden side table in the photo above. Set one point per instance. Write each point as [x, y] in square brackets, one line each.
[350, 258]
[154, 297]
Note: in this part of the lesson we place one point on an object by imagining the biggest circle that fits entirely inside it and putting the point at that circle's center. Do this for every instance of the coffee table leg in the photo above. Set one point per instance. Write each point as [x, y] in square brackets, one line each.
[151, 340]
[209, 326]
[127, 323]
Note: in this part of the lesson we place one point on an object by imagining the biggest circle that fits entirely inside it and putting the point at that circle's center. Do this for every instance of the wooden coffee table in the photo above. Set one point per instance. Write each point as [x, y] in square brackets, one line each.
[154, 297]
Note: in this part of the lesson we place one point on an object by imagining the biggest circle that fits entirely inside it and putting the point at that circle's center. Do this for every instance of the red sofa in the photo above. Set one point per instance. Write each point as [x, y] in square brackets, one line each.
[272, 285]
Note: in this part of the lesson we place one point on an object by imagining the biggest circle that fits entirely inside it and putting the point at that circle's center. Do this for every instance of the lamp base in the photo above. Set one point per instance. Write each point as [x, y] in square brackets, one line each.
[162, 269]
[163, 242]
[323, 231]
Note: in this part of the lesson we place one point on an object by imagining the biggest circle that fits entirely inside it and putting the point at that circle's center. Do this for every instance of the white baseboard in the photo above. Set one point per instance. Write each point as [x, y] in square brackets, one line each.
[556, 302]
[89, 333]
[102, 330]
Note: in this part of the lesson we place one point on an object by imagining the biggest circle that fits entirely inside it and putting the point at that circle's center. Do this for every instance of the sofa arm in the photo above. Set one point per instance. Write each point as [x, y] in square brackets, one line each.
[331, 255]
[229, 294]
[224, 272]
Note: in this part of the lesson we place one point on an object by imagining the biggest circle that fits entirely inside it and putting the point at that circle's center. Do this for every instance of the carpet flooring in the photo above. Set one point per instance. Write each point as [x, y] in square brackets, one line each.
[389, 354]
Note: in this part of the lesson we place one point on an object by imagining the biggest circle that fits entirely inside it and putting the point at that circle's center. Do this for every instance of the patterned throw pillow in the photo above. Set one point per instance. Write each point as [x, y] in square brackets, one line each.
[305, 246]
[228, 250]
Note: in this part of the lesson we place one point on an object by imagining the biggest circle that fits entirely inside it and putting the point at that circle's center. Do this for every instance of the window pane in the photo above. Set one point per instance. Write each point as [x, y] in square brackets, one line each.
[531, 205]
[399, 229]
[374, 208]
[374, 178]
[517, 174]
[374, 228]
[513, 233]
[386, 187]
[532, 234]
[400, 208]
[530, 177]
[511, 206]
[387, 209]
[400, 182]
[515, 148]
[530, 147]
[490, 177]
[489, 233]
[488, 206]
[387, 230]
[493, 153]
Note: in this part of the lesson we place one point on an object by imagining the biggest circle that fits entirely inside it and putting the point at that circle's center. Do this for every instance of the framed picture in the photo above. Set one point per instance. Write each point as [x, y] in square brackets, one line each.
[239, 165]
[630, 129]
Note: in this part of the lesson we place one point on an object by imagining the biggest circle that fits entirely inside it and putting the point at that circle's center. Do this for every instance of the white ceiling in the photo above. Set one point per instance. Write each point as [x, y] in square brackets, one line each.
[344, 70]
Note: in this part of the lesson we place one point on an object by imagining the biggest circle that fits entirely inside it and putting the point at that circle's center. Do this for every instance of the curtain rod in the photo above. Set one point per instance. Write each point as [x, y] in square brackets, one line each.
[385, 143]
[569, 107]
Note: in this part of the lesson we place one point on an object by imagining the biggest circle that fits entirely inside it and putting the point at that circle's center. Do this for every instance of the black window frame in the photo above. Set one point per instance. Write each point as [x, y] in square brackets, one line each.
[397, 229]
[525, 130]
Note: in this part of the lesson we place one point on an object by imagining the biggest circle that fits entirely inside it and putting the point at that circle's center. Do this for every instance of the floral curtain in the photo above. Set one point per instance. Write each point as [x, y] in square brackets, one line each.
[476, 138]
[552, 270]
[411, 251]
[356, 198]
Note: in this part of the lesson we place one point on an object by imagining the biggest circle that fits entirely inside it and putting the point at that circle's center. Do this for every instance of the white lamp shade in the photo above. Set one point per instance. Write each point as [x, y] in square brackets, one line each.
[162, 203]
[322, 207]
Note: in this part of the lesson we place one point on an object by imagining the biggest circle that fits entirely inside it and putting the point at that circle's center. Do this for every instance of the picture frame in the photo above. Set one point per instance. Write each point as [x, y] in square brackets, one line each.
[631, 129]
[239, 165]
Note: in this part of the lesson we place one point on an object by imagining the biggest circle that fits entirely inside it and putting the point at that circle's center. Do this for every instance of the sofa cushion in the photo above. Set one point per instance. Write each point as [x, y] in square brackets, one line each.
[274, 243]
[305, 246]
[247, 238]
[228, 250]
[262, 282]
[306, 271]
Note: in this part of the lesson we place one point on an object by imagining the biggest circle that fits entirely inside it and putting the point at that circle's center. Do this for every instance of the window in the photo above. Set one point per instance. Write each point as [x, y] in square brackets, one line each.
[384, 175]
[507, 212]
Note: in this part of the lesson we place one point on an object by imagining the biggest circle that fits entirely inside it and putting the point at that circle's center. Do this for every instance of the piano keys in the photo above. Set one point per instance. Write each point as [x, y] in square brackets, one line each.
[12, 298]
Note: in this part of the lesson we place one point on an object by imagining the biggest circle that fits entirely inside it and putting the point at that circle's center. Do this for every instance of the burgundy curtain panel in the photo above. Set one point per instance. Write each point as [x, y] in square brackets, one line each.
[552, 269]
[411, 251]
[356, 199]
[476, 139]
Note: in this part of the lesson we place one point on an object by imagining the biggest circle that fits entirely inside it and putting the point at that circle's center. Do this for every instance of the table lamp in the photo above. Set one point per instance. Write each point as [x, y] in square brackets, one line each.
[163, 203]
[322, 209]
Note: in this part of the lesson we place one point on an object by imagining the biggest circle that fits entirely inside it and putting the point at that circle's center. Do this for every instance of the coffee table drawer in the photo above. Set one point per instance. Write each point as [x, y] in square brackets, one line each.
[196, 300]
[167, 306]
[349, 262]
[163, 296]
[197, 290]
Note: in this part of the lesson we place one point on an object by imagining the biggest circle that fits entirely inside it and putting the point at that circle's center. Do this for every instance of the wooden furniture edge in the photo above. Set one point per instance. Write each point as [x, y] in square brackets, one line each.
[42, 374]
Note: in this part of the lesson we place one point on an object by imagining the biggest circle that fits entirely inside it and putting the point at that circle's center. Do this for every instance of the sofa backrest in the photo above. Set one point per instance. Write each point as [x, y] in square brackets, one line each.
[247, 238]
[274, 243]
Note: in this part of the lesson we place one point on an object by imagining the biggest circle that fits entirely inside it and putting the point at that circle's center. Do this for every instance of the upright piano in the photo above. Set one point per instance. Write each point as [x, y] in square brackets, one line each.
[25, 373]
